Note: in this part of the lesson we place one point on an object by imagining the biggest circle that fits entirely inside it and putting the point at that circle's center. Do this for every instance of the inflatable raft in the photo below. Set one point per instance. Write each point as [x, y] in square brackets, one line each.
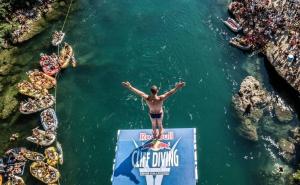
[35, 105]
[43, 172]
[49, 119]
[52, 157]
[29, 89]
[40, 79]
[66, 55]
[42, 138]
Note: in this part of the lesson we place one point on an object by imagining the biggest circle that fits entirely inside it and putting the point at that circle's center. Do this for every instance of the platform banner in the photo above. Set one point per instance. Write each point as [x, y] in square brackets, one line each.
[144, 161]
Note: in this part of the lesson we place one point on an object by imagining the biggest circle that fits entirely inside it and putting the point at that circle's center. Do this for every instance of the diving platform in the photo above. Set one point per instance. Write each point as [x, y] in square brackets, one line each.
[171, 160]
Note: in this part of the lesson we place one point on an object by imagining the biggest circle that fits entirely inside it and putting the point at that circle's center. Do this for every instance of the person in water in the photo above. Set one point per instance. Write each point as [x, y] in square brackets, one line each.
[155, 104]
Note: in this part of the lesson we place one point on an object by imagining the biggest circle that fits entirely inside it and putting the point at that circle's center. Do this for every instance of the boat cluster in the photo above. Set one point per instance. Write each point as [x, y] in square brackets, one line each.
[37, 88]
[238, 41]
[12, 165]
[266, 20]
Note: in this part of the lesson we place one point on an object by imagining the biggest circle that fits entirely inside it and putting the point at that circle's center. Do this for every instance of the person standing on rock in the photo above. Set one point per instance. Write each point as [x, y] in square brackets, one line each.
[155, 104]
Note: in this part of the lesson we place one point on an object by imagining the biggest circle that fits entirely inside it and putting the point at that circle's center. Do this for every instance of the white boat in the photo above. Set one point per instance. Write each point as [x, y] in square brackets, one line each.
[49, 119]
[42, 138]
[232, 25]
[57, 38]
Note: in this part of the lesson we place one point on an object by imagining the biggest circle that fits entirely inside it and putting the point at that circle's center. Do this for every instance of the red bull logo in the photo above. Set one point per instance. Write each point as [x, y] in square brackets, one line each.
[146, 137]
[156, 146]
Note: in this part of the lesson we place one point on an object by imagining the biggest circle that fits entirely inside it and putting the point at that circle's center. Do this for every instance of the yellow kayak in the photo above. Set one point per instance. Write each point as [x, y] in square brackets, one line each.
[51, 156]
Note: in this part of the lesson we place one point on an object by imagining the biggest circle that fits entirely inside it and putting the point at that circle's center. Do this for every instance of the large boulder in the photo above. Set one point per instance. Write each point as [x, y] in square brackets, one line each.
[287, 150]
[247, 130]
[283, 114]
[251, 96]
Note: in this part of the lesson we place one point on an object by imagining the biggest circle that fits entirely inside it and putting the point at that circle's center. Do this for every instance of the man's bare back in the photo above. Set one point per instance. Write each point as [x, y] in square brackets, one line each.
[155, 104]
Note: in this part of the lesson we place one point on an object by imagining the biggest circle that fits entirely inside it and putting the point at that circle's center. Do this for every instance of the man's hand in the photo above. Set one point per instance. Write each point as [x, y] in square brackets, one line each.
[126, 84]
[179, 85]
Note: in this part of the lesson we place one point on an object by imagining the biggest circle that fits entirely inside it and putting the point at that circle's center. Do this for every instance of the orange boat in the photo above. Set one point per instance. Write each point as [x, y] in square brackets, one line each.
[0, 179]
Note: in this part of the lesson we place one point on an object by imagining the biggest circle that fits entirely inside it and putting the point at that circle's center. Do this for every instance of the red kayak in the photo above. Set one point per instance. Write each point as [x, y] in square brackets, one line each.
[49, 64]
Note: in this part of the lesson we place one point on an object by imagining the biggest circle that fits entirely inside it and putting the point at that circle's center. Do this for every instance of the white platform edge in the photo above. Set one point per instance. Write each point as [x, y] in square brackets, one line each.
[114, 161]
[195, 154]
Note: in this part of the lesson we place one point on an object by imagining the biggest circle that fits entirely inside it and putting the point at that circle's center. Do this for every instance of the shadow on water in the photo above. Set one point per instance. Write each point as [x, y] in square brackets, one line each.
[126, 167]
[285, 90]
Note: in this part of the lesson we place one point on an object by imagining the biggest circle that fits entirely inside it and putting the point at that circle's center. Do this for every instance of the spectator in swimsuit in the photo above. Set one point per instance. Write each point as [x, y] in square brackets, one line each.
[155, 104]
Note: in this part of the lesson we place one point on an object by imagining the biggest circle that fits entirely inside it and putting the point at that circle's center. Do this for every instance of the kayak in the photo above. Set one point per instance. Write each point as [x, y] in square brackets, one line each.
[29, 89]
[49, 119]
[34, 156]
[35, 105]
[50, 64]
[41, 80]
[65, 56]
[1, 178]
[44, 172]
[57, 38]
[42, 138]
[60, 153]
[51, 156]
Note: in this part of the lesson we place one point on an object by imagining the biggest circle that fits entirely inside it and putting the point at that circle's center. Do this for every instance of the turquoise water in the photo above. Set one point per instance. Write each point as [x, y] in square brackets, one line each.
[152, 42]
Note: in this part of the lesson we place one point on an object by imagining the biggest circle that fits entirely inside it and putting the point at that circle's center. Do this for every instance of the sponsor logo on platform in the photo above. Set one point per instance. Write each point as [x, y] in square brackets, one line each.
[155, 158]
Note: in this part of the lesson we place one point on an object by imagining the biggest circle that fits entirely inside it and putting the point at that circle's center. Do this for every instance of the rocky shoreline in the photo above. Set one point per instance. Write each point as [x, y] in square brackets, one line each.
[13, 64]
[270, 27]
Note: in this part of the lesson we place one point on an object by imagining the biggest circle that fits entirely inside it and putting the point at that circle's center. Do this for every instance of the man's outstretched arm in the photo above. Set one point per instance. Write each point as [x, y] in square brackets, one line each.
[178, 85]
[135, 90]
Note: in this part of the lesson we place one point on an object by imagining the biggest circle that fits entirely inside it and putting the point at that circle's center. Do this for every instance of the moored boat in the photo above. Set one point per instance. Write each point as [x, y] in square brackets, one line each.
[34, 156]
[35, 105]
[29, 89]
[42, 138]
[51, 155]
[40, 79]
[57, 38]
[49, 64]
[49, 119]
[60, 153]
[44, 172]
[1, 179]
[15, 180]
[240, 43]
[65, 56]
[232, 25]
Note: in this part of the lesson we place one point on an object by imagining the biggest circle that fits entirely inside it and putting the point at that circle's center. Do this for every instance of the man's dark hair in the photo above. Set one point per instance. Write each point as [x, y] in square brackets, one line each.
[154, 89]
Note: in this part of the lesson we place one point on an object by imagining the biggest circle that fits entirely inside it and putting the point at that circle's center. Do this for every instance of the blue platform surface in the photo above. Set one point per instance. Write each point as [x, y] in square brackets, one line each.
[172, 160]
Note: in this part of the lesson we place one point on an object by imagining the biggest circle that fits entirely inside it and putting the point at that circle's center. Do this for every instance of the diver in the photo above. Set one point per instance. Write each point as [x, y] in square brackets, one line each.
[155, 104]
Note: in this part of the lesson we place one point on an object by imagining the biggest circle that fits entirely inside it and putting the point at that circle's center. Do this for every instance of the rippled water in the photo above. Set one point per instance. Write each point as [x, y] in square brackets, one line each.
[154, 42]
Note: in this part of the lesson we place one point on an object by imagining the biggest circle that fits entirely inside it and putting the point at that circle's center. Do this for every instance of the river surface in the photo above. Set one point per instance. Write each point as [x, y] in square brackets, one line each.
[153, 42]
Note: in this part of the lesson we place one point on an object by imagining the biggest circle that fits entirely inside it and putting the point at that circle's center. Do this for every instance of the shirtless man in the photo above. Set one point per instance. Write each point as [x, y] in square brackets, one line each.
[155, 104]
